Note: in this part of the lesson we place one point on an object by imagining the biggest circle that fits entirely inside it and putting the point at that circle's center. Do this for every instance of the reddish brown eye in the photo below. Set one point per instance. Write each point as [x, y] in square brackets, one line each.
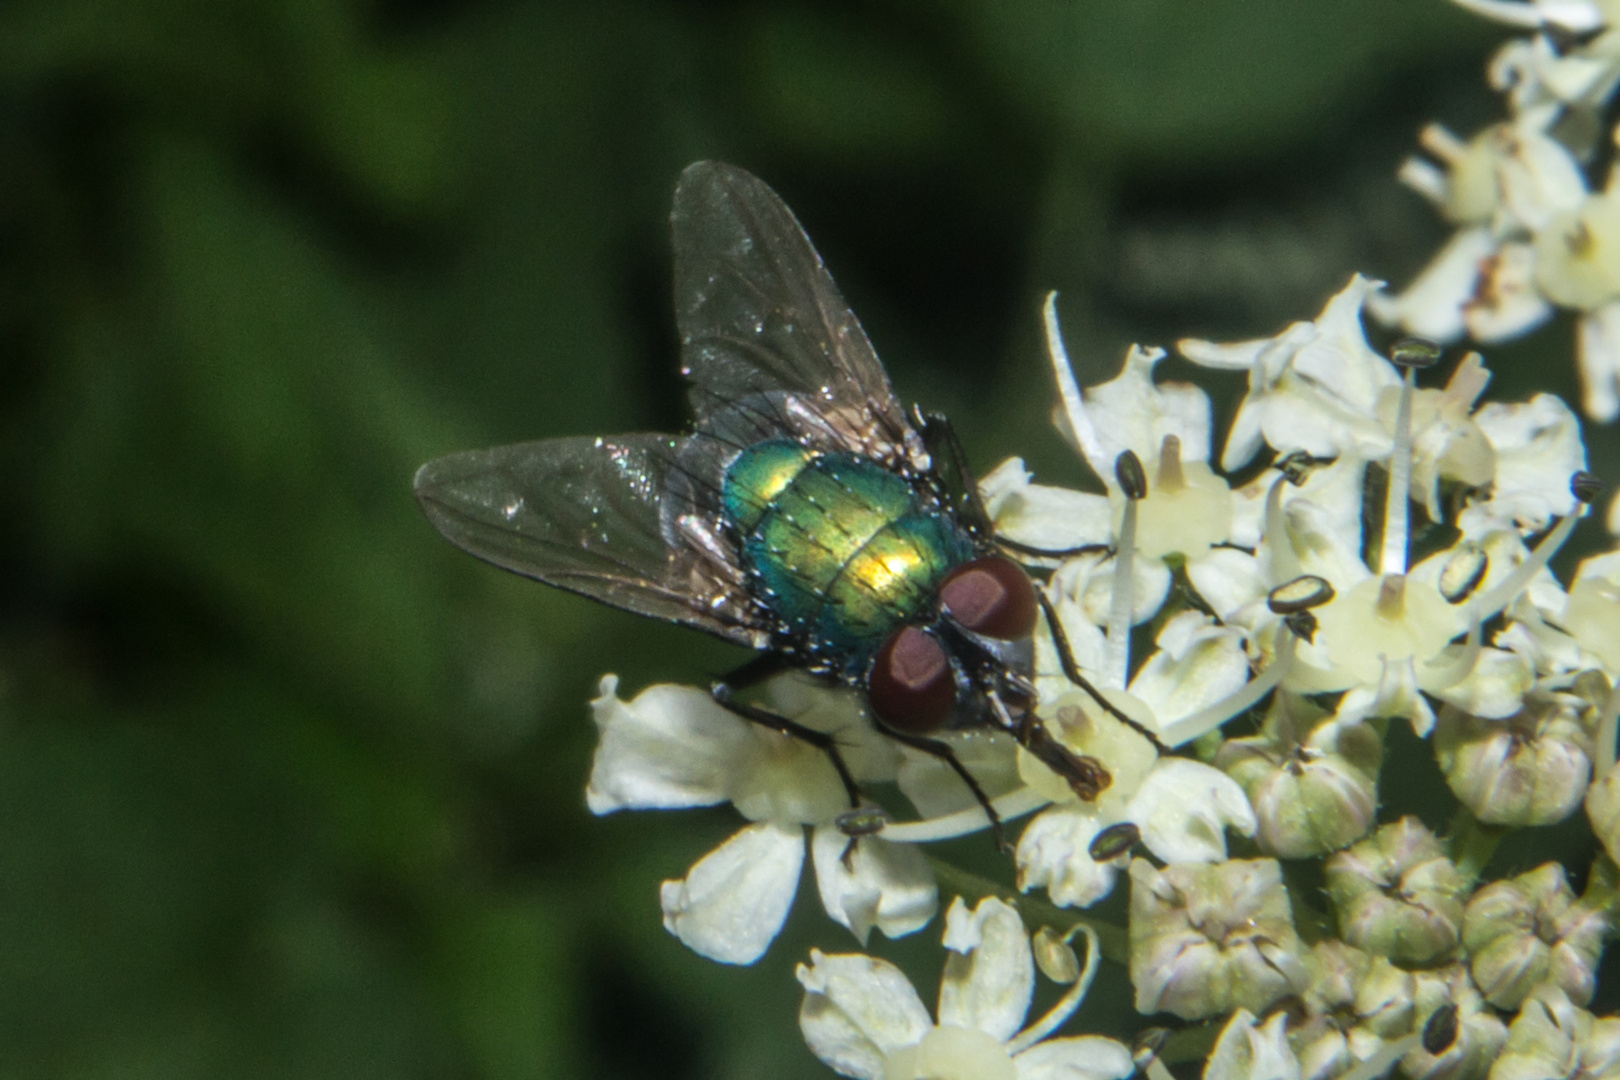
[992, 597]
[912, 687]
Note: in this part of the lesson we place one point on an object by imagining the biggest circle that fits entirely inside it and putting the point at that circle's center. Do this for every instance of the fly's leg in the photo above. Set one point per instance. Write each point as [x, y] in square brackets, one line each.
[1053, 553]
[757, 670]
[939, 435]
[943, 751]
[1071, 671]
[1084, 774]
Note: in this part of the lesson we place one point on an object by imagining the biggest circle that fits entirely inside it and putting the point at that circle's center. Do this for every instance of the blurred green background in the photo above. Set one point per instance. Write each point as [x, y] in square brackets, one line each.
[291, 788]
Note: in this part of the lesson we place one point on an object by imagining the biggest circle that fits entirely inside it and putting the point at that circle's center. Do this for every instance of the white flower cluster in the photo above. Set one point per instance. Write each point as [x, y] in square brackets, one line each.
[1385, 556]
[1533, 198]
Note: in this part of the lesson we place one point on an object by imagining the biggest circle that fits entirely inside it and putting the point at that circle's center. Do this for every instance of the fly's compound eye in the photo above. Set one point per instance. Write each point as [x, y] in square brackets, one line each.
[991, 596]
[912, 688]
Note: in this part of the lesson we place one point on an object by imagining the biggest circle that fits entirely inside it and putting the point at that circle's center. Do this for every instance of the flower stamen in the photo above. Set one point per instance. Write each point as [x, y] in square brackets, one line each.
[1014, 804]
[1117, 662]
[1059, 1013]
[1211, 717]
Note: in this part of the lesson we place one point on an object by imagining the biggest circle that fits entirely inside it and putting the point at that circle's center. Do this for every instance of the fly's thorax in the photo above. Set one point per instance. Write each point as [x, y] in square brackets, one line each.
[757, 476]
[842, 549]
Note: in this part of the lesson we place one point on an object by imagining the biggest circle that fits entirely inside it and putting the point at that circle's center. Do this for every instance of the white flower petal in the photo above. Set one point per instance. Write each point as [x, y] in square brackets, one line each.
[1090, 580]
[1197, 664]
[1134, 413]
[732, 903]
[1395, 695]
[1087, 1057]
[886, 885]
[1339, 360]
[857, 1010]
[1237, 356]
[671, 746]
[1184, 808]
[1050, 518]
[1227, 579]
[1496, 687]
[1316, 544]
[1539, 177]
[935, 789]
[1432, 306]
[871, 755]
[1538, 448]
[989, 975]
[1506, 301]
[1054, 854]
[1598, 357]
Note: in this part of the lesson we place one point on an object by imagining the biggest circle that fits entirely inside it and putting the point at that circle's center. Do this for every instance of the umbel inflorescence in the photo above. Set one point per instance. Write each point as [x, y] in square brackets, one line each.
[1291, 625]
[1229, 627]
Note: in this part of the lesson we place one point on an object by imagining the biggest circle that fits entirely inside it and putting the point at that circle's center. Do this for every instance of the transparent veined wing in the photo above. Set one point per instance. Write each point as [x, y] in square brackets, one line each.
[586, 514]
[761, 321]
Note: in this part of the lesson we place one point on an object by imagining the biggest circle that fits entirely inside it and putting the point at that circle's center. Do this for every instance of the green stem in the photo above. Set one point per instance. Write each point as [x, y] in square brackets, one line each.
[1473, 842]
[1310, 922]
[1194, 1043]
[1035, 913]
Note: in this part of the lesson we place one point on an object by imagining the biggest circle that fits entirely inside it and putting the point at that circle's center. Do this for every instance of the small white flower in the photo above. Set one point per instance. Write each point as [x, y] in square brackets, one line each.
[1572, 16]
[1181, 807]
[1314, 387]
[1533, 238]
[674, 746]
[862, 1017]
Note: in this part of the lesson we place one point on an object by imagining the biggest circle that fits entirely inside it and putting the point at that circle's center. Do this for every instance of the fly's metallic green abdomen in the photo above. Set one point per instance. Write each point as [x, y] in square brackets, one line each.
[845, 550]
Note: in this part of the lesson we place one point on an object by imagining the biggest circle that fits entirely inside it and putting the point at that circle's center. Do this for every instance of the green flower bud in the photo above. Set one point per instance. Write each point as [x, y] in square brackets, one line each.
[1207, 938]
[1552, 1039]
[1531, 930]
[1603, 811]
[1398, 895]
[1313, 783]
[1355, 1003]
[1480, 1032]
[1529, 769]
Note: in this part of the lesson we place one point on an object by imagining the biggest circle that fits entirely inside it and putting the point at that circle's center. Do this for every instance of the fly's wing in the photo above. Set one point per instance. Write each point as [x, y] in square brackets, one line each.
[583, 514]
[763, 327]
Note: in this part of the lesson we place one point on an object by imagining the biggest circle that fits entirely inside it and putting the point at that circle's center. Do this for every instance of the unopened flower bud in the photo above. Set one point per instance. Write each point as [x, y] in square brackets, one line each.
[1398, 895]
[1478, 1032]
[1529, 769]
[1553, 1039]
[1207, 938]
[1532, 930]
[1356, 1002]
[1312, 782]
[1603, 811]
